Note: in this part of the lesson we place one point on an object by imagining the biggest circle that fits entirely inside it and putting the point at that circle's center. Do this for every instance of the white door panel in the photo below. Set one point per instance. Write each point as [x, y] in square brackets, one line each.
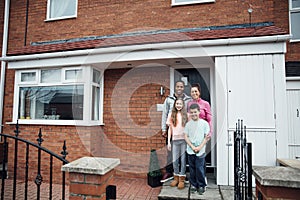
[293, 109]
[251, 91]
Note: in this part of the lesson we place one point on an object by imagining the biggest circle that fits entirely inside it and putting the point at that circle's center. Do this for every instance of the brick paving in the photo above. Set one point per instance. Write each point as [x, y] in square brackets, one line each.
[135, 189]
[127, 189]
[32, 190]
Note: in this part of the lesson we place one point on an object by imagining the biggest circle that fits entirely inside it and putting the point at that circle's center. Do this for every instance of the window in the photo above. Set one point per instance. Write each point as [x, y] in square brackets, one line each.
[96, 95]
[61, 9]
[295, 19]
[59, 96]
[28, 77]
[185, 2]
[292, 69]
[51, 102]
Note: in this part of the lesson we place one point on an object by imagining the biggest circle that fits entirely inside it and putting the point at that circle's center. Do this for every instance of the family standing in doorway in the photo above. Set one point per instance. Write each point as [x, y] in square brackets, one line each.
[188, 133]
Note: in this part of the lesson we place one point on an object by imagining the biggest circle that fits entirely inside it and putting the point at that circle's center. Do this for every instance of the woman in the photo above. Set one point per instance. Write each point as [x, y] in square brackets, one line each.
[205, 112]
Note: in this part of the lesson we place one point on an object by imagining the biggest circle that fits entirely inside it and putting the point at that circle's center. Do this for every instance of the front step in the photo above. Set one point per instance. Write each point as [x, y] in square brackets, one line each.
[168, 192]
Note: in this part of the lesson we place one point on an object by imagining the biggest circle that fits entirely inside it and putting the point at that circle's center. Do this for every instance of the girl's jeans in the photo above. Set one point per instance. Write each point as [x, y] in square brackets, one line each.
[179, 147]
[197, 170]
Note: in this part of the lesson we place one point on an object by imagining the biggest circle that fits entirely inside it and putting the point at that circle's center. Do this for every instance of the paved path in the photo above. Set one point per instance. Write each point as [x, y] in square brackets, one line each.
[127, 189]
[32, 190]
[135, 189]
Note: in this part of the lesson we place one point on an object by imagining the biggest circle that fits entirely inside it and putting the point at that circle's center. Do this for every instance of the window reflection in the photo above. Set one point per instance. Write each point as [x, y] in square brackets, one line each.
[52, 102]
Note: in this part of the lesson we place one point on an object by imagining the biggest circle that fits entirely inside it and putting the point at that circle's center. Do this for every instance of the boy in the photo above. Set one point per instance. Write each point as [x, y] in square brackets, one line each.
[196, 136]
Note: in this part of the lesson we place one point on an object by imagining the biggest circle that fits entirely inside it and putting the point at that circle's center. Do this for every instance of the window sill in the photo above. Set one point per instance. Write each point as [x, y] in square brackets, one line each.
[192, 2]
[60, 18]
[294, 40]
[57, 122]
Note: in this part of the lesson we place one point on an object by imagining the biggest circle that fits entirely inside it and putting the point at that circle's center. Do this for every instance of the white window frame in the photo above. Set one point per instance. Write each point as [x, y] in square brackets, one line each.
[101, 86]
[19, 77]
[293, 10]
[48, 18]
[87, 99]
[174, 3]
[64, 70]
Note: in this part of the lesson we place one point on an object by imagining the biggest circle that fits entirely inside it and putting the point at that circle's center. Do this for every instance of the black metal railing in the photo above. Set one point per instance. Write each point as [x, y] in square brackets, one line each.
[242, 164]
[39, 178]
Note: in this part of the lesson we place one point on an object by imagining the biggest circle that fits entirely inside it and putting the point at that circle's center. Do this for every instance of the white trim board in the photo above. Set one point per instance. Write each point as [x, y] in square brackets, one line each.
[203, 48]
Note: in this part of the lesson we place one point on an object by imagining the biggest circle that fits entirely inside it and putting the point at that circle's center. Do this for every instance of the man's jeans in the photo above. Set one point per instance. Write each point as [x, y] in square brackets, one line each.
[179, 147]
[197, 170]
[169, 166]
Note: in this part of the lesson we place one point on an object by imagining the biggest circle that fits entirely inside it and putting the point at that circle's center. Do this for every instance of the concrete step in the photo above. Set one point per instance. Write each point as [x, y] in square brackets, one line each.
[213, 191]
[168, 192]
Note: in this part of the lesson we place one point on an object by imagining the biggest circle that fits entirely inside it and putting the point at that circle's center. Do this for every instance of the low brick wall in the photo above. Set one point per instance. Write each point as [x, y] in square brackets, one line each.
[275, 182]
[89, 177]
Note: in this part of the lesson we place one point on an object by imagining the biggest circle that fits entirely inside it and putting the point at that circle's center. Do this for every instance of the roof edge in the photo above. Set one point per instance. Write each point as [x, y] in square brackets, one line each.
[153, 32]
[168, 45]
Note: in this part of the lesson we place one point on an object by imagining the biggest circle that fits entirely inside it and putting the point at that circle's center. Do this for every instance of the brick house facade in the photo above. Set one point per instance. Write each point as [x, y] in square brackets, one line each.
[128, 126]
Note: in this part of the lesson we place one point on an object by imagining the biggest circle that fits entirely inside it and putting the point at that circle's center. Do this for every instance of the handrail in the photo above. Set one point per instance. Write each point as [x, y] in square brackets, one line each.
[35, 145]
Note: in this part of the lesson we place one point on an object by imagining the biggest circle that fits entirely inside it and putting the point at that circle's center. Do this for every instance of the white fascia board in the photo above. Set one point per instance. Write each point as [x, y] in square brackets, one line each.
[203, 48]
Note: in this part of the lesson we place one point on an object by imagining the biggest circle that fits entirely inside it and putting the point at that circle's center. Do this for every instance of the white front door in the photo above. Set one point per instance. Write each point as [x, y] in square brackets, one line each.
[293, 108]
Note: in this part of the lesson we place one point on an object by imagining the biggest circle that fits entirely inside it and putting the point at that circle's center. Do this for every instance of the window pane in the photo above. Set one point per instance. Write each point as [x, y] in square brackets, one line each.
[28, 76]
[73, 74]
[54, 103]
[95, 103]
[50, 76]
[295, 21]
[295, 3]
[62, 8]
[96, 76]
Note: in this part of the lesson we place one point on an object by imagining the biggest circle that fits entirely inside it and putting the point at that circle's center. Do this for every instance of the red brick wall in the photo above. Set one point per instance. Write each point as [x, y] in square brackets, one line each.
[96, 18]
[132, 124]
[281, 19]
[90, 186]
[115, 17]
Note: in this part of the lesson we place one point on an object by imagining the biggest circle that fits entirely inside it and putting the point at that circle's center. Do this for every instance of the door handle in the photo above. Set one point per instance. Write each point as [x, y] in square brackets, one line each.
[297, 112]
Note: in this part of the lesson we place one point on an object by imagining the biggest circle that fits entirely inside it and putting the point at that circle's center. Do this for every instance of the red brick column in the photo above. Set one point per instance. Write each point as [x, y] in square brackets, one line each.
[276, 182]
[89, 177]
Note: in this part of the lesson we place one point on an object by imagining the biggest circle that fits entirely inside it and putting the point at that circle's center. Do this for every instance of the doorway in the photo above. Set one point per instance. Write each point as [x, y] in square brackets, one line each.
[201, 76]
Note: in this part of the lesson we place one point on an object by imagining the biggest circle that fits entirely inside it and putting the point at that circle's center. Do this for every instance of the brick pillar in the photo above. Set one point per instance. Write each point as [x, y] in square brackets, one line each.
[89, 177]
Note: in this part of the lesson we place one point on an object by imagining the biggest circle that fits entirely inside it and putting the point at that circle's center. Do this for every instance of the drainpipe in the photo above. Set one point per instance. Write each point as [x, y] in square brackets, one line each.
[3, 63]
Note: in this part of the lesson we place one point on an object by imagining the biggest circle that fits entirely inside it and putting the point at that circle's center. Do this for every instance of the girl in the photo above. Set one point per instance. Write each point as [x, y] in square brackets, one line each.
[176, 122]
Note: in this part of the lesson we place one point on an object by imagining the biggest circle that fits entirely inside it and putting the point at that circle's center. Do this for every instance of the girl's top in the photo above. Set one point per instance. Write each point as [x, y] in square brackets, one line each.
[177, 131]
[205, 112]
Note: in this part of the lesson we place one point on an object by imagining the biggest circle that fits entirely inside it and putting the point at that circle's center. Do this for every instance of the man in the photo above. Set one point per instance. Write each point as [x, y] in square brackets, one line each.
[167, 108]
